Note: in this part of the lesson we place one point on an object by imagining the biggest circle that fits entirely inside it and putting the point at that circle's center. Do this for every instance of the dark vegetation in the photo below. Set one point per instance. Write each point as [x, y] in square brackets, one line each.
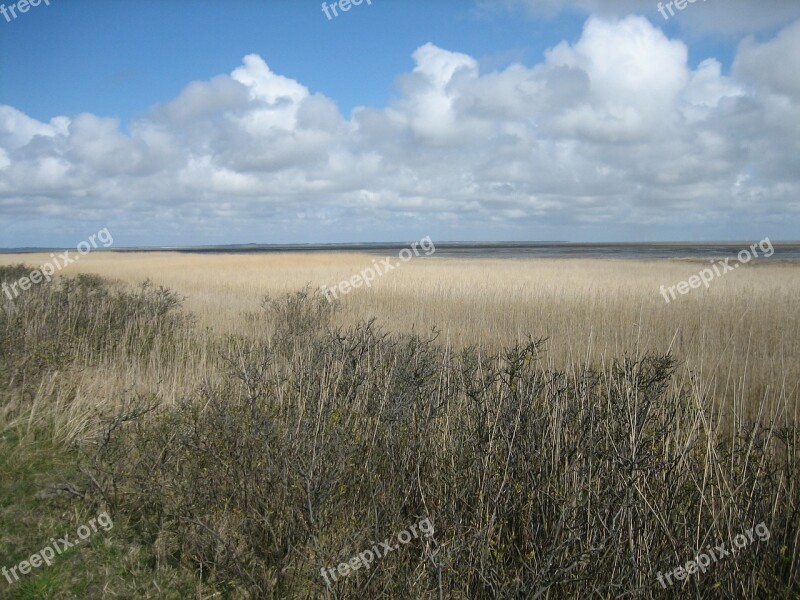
[318, 441]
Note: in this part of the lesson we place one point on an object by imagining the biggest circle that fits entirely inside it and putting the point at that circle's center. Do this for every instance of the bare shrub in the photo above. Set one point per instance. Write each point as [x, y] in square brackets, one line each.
[322, 441]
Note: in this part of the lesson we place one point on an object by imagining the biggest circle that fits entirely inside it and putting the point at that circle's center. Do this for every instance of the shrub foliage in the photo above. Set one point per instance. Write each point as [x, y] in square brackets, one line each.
[319, 441]
[539, 483]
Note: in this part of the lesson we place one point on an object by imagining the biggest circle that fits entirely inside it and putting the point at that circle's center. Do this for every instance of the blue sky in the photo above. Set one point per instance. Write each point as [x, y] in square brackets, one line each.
[396, 120]
[117, 58]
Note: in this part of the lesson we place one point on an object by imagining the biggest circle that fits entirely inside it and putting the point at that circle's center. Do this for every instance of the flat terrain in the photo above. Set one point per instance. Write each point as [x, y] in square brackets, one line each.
[741, 336]
[310, 433]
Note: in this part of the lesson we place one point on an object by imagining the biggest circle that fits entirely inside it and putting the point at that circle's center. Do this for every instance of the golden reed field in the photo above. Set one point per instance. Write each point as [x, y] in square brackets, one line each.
[741, 336]
[247, 437]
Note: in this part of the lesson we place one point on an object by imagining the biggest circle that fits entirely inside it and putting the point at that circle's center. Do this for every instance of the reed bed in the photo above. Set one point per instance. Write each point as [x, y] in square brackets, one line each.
[565, 432]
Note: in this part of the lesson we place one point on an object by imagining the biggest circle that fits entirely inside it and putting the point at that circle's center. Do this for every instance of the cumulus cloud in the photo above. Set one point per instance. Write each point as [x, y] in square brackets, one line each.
[613, 130]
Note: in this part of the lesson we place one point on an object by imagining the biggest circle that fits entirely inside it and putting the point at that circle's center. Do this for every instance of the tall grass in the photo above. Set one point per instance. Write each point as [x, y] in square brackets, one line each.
[740, 338]
[308, 441]
[55, 333]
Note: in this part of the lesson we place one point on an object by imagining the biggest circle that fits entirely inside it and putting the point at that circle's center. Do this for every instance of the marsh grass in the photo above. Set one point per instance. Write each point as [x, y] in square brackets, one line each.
[740, 339]
[258, 454]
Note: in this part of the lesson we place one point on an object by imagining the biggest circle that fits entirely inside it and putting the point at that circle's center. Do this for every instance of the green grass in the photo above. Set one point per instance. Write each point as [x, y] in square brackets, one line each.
[46, 333]
[107, 565]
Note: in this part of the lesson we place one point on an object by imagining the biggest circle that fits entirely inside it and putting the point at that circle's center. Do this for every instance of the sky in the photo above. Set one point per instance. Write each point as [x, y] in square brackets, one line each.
[192, 122]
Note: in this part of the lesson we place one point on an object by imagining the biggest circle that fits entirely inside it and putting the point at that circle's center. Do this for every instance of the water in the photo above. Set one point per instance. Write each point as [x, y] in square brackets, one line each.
[632, 251]
[783, 250]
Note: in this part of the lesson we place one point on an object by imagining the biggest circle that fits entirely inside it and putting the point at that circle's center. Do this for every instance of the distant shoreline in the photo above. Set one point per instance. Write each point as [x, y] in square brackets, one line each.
[509, 250]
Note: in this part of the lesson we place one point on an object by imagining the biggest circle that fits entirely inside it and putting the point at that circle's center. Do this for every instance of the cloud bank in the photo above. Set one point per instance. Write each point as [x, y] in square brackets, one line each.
[614, 132]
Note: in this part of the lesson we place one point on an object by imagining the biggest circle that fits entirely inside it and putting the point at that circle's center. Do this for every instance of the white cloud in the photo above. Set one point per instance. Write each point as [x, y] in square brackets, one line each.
[18, 129]
[773, 63]
[635, 75]
[613, 129]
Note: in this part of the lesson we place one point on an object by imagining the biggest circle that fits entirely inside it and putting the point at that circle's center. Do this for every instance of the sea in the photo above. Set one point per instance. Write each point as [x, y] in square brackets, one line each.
[784, 250]
[517, 250]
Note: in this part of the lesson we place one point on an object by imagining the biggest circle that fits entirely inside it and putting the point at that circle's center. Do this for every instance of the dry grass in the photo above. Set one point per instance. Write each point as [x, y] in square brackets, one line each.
[591, 463]
[742, 336]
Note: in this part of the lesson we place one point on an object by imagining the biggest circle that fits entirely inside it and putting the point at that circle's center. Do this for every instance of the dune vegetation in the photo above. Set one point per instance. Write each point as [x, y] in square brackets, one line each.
[565, 431]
